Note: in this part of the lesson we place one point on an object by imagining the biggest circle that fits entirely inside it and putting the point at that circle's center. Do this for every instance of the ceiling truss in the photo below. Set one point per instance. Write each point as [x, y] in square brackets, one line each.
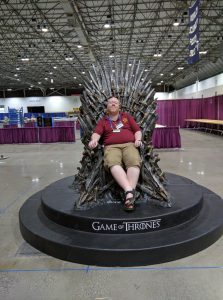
[31, 57]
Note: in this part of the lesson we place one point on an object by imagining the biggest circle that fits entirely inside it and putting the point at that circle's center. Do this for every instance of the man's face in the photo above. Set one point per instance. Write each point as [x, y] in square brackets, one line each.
[113, 105]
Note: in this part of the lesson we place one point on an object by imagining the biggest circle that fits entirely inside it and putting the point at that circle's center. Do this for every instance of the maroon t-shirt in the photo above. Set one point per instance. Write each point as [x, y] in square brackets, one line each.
[106, 126]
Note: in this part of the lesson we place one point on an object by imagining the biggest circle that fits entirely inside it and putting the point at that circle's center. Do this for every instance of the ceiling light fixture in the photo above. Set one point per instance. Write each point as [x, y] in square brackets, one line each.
[176, 23]
[157, 55]
[24, 59]
[79, 46]
[69, 58]
[107, 25]
[203, 52]
[180, 68]
[44, 28]
[139, 41]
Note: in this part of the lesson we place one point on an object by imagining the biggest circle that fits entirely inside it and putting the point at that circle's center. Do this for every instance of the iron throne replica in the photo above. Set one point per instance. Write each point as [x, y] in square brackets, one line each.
[133, 89]
[96, 230]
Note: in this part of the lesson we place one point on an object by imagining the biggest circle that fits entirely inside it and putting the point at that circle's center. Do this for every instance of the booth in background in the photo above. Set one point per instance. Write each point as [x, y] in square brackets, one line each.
[39, 121]
[47, 122]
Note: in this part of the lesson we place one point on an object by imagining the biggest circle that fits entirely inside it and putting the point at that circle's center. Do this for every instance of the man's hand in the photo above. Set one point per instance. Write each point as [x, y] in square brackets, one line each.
[138, 138]
[138, 143]
[93, 144]
[94, 140]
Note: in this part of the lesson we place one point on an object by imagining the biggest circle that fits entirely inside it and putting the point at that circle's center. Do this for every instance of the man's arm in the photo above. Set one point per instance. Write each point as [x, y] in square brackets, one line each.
[136, 130]
[138, 138]
[94, 140]
[98, 131]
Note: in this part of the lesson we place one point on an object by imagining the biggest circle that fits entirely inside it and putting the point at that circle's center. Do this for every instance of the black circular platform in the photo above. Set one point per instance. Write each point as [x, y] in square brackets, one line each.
[105, 235]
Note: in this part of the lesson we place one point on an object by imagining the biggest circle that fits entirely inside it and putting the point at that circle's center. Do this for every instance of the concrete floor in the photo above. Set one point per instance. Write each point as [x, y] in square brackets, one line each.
[26, 273]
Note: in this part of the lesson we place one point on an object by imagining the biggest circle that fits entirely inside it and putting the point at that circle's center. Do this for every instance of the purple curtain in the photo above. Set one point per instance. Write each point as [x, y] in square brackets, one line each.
[56, 134]
[18, 135]
[174, 112]
[35, 135]
[220, 107]
[77, 125]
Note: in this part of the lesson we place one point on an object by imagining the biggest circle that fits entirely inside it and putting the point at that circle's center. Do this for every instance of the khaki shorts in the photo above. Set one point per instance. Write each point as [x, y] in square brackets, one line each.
[120, 154]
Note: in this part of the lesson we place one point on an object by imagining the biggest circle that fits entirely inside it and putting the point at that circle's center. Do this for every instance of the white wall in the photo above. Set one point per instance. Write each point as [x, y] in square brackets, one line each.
[52, 103]
[212, 86]
[161, 96]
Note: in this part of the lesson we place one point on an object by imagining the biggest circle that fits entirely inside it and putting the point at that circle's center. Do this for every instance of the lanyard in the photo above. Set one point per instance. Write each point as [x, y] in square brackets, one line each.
[110, 121]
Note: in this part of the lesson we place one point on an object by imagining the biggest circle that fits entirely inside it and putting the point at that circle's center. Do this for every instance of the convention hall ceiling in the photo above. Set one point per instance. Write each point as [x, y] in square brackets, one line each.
[53, 43]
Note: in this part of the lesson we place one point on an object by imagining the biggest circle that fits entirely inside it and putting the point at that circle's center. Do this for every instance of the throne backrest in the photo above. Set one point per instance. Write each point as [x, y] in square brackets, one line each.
[130, 85]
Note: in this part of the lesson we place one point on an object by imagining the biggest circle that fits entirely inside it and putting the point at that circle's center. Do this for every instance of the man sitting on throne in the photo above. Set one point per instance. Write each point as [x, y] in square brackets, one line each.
[121, 137]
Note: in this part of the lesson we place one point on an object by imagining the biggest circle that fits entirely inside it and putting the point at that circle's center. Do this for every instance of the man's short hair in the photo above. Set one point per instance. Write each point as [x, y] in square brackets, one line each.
[113, 97]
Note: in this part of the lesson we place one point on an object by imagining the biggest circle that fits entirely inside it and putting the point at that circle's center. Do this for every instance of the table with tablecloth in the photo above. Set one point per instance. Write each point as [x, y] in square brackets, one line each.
[56, 134]
[37, 135]
[64, 123]
[166, 137]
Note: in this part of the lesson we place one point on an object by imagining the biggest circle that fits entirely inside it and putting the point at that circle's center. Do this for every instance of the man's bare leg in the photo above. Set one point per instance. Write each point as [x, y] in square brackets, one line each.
[120, 177]
[133, 176]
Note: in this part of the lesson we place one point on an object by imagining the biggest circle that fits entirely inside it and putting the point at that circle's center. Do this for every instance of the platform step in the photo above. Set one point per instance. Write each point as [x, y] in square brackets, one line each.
[129, 249]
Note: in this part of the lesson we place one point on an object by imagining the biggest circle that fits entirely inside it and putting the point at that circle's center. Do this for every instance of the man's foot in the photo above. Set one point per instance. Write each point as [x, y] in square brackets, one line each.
[129, 202]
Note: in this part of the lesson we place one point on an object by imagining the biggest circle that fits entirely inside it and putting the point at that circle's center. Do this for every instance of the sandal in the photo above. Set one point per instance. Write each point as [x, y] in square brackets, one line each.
[129, 204]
